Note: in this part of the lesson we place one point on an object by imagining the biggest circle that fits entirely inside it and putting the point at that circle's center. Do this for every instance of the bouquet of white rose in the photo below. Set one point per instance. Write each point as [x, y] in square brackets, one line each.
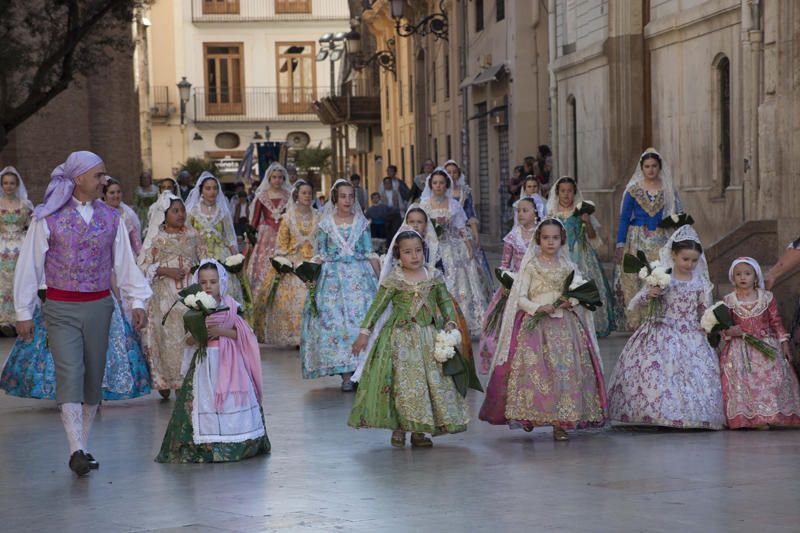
[446, 353]
[585, 207]
[282, 266]
[234, 263]
[717, 319]
[675, 221]
[445, 346]
[652, 273]
[577, 291]
[200, 304]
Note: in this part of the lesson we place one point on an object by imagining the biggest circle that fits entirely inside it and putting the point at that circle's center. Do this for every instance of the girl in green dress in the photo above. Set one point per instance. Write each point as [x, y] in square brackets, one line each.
[402, 387]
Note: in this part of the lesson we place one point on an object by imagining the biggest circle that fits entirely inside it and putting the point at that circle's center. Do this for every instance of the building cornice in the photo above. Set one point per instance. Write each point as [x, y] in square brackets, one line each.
[706, 18]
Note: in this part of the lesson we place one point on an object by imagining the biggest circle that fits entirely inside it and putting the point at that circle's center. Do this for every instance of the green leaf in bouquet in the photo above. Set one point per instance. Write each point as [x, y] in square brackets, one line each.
[251, 234]
[568, 282]
[194, 288]
[42, 294]
[643, 259]
[723, 315]
[438, 228]
[456, 368]
[194, 323]
[714, 339]
[588, 295]
[631, 264]
[504, 277]
[308, 271]
[281, 268]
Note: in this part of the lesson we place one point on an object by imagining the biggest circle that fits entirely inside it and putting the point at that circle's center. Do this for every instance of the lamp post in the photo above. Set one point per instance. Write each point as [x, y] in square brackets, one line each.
[184, 88]
[330, 50]
[435, 23]
[384, 58]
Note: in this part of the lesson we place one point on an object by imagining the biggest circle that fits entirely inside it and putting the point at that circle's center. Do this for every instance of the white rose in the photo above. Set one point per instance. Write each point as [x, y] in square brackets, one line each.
[589, 202]
[206, 300]
[574, 302]
[643, 273]
[578, 207]
[709, 320]
[675, 218]
[283, 261]
[655, 264]
[191, 301]
[234, 260]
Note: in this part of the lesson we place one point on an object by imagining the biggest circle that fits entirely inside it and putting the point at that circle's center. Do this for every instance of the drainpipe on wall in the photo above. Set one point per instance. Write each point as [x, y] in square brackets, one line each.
[551, 36]
[751, 88]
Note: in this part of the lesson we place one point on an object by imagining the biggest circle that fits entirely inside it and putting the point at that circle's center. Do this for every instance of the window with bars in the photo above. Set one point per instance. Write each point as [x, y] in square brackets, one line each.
[286, 7]
[220, 7]
[297, 87]
[449, 147]
[434, 88]
[224, 74]
[446, 76]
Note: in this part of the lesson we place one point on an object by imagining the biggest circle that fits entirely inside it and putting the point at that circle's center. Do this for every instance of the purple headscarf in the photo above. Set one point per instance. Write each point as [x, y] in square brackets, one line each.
[62, 181]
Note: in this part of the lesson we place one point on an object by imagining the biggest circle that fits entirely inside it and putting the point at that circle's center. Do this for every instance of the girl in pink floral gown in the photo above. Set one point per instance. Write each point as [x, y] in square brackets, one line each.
[515, 244]
[757, 391]
[271, 199]
[545, 372]
[668, 373]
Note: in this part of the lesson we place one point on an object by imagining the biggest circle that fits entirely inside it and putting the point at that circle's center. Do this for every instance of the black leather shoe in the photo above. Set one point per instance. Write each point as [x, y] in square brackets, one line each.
[79, 463]
[93, 464]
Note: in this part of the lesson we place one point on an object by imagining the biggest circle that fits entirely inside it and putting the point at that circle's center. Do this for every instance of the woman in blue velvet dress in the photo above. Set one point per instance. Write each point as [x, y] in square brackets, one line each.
[583, 240]
[29, 371]
[649, 197]
[345, 288]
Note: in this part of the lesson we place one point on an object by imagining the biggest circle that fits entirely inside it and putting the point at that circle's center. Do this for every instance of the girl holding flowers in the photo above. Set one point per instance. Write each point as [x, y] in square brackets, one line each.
[170, 250]
[279, 323]
[546, 369]
[403, 386]
[668, 373]
[650, 196]
[758, 389]
[515, 244]
[218, 416]
[583, 239]
[344, 289]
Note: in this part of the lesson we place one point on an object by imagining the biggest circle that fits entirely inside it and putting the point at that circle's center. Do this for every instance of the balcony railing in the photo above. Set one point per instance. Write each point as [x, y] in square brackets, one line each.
[160, 108]
[253, 104]
[268, 10]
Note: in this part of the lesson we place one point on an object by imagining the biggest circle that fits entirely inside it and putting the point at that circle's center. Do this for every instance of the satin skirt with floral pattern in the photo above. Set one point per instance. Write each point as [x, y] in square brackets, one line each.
[403, 387]
[758, 391]
[552, 377]
[488, 341]
[9, 253]
[259, 262]
[179, 444]
[280, 324]
[345, 290]
[466, 281]
[667, 375]
[626, 286]
[30, 371]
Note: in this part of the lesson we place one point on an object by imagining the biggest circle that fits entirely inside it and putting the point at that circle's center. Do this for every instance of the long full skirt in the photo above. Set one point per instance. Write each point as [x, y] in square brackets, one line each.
[403, 387]
[345, 291]
[552, 377]
[259, 264]
[626, 286]
[9, 253]
[200, 433]
[758, 391]
[585, 257]
[466, 281]
[667, 376]
[164, 343]
[488, 340]
[280, 324]
[30, 372]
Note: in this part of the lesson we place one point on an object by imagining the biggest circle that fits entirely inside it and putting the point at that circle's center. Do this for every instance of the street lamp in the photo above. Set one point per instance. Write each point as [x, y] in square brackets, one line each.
[384, 58]
[329, 50]
[435, 23]
[184, 87]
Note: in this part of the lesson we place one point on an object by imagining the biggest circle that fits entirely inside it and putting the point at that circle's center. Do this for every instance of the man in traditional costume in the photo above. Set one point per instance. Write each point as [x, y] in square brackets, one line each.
[74, 244]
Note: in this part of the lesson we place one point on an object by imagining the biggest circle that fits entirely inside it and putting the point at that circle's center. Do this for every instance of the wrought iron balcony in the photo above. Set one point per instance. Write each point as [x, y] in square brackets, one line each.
[160, 107]
[252, 104]
[268, 10]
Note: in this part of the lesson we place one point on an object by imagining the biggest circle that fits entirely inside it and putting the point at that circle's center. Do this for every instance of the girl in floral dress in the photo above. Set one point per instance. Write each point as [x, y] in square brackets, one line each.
[546, 370]
[464, 276]
[170, 250]
[271, 199]
[15, 215]
[757, 391]
[583, 240]
[208, 213]
[402, 387]
[515, 244]
[650, 196]
[668, 374]
[280, 325]
[218, 416]
[344, 289]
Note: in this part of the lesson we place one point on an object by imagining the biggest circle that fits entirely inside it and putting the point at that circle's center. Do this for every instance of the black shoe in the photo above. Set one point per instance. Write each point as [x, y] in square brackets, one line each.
[93, 464]
[79, 463]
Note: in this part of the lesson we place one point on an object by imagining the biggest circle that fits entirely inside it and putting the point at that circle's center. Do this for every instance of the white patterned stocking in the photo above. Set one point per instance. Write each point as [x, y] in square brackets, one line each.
[72, 418]
[88, 417]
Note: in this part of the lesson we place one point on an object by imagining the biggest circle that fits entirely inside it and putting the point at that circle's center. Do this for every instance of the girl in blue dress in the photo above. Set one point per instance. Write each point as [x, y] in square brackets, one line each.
[649, 197]
[345, 288]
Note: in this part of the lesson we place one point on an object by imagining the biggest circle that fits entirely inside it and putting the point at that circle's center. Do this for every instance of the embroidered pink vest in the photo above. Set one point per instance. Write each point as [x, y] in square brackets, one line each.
[80, 255]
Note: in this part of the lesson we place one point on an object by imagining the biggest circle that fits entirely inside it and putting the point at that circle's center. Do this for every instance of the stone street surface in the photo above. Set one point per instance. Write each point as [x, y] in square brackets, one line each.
[325, 476]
